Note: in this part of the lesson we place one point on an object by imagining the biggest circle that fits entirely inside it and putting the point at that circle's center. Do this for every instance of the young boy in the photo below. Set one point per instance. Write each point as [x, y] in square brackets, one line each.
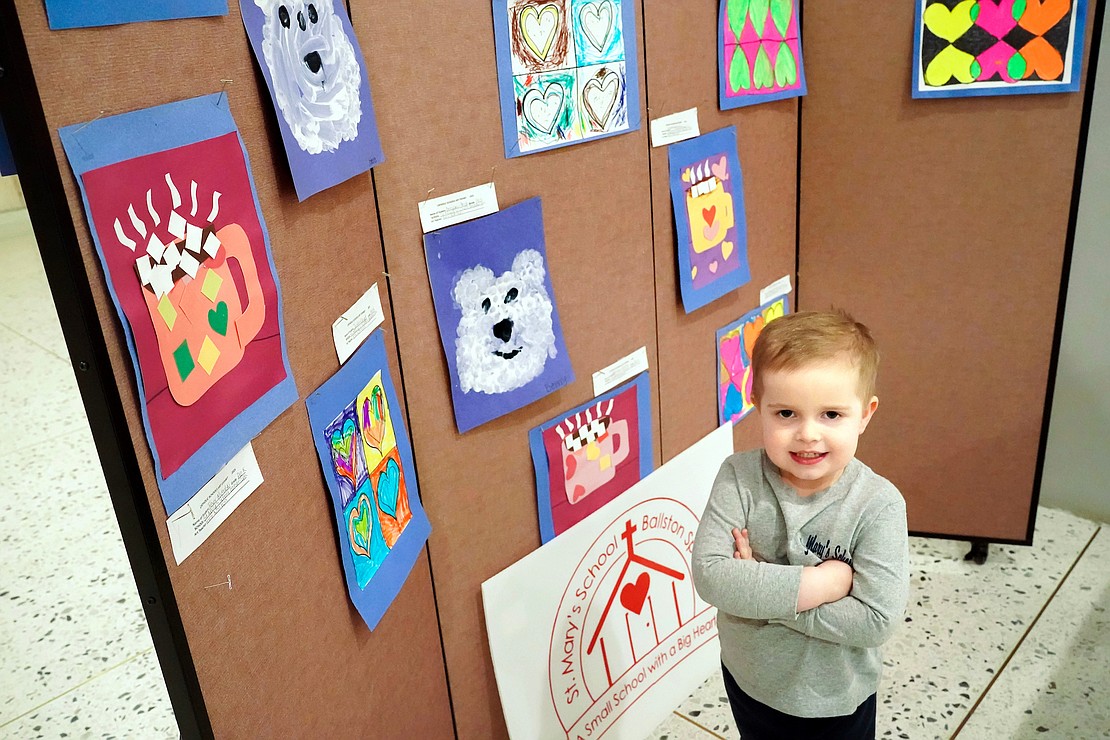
[802, 548]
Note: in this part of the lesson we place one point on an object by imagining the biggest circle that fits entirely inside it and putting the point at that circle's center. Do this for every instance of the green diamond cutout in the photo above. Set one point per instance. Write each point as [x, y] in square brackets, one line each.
[184, 360]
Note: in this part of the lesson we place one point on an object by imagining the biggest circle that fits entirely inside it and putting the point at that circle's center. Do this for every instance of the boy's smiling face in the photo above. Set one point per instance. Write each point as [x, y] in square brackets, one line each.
[812, 418]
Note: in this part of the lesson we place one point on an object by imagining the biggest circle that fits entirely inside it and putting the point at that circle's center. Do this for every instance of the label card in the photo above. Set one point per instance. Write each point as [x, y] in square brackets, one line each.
[675, 127]
[355, 325]
[620, 371]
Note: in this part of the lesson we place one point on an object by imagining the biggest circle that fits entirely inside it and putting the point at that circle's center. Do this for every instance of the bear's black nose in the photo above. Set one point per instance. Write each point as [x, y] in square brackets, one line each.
[313, 61]
[503, 330]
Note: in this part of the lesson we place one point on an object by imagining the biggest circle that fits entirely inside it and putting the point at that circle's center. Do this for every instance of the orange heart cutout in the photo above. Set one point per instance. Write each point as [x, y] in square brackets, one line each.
[1041, 58]
[1041, 15]
[751, 333]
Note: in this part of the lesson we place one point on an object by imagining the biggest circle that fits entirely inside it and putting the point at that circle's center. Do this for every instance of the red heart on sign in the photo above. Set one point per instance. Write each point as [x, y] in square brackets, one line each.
[709, 214]
[634, 594]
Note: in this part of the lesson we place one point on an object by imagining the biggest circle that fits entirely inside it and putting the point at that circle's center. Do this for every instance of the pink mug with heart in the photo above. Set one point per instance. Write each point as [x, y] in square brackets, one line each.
[201, 325]
[590, 463]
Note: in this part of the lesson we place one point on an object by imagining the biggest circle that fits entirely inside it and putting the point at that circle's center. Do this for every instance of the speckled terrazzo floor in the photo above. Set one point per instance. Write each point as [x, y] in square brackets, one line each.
[76, 659]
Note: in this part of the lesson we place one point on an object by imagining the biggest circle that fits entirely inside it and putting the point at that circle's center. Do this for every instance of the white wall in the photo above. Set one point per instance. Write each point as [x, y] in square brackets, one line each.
[1077, 464]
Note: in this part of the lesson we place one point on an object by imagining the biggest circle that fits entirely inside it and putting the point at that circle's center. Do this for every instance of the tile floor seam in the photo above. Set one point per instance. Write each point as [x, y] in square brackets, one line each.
[1024, 636]
[700, 726]
[45, 349]
[76, 686]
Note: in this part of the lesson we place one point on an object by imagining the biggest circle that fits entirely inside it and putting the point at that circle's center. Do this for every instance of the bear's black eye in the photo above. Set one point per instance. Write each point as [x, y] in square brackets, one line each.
[283, 16]
[511, 295]
[312, 16]
[486, 305]
[301, 22]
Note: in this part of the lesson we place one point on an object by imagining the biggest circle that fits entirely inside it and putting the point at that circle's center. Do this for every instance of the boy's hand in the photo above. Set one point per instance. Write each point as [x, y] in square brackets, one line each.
[838, 579]
[743, 546]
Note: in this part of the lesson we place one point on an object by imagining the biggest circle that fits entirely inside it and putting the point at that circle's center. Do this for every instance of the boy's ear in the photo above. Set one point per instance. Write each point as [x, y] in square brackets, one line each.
[868, 411]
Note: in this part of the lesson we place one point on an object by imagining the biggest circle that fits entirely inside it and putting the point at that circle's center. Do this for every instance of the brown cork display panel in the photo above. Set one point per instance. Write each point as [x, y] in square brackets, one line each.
[435, 86]
[283, 651]
[681, 47]
[942, 224]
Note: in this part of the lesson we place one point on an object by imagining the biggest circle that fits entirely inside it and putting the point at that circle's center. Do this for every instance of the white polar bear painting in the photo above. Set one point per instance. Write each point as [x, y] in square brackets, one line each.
[314, 68]
[498, 320]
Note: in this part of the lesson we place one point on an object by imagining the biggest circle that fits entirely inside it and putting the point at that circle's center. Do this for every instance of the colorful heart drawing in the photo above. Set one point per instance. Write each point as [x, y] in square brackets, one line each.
[709, 214]
[389, 488]
[949, 63]
[1041, 15]
[542, 109]
[538, 26]
[763, 76]
[758, 11]
[597, 23]
[1001, 59]
[358, 527]
[599, 97]
[751, 333]
[1042, 59]
[739, 71]
[217, 319]
[996, 17]
[781, 12]
[950, 25]
[344, 453]
[737, 12]
[633, 595]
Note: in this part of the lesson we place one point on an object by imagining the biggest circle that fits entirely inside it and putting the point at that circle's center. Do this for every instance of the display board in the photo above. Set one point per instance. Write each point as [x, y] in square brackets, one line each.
[942, 224]
[285, 630]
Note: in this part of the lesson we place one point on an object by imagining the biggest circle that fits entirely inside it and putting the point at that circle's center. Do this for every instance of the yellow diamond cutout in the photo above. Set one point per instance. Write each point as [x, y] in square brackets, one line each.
[212, 283]
[208, 355]
[168, 312]
[606, 462]
[593, 452]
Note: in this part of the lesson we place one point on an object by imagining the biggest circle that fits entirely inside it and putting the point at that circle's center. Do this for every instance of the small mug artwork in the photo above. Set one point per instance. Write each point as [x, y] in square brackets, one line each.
[195, 299]
[590, 455]
[735, 343]
[369, 474]
[712, 219]
[593, 446]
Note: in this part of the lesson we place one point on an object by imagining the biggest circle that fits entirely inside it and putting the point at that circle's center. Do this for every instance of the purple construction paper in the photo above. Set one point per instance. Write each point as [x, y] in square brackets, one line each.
[322, 99]
[503, 341]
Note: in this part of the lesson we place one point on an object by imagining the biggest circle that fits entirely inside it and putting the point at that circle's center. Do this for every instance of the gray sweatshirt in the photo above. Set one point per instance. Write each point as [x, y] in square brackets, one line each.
[823, 662]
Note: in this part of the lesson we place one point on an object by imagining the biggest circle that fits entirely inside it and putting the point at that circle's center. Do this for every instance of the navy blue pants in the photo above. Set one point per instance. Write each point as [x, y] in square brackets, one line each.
[757, 721]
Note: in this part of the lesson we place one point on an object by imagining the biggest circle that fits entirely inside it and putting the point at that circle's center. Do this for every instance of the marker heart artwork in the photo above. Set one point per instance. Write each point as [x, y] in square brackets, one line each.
[597, 23]
[358, 527]
[542, 109]
[389, 488]
[599, 97]
[538, 26]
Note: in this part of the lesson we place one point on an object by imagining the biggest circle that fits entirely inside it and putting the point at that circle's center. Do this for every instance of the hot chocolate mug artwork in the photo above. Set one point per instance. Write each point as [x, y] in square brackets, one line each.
[186, 256]
[593, 446]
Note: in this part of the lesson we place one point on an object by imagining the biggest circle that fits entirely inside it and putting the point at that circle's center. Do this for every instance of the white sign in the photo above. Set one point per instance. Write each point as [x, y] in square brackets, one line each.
[194, 522]
[600, 631]
[448, 210]
[675, 127]
[620, 371]
[776, 289]
[351, 329]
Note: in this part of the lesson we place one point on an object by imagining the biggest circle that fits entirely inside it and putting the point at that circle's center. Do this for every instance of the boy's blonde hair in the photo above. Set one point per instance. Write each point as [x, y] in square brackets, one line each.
[799, 339]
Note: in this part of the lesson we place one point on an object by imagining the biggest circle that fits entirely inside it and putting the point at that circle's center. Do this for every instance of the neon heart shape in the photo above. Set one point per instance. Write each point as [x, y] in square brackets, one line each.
[1041, 15]
[739, 72]
[599, 97]
[786, 68]
[389, 488]
[633, 595]
[751, 332]
[737, 12]
[763, 75]
[949, 63]
[730, 355]
[758, 12]
[597, 22]
[538, 26]
[1001, 59]
[358, 527]
[542, 109]
[1042, 59]
[781, 12]
[709, 214]
[344, 453]
[996, 17]
[949, 24]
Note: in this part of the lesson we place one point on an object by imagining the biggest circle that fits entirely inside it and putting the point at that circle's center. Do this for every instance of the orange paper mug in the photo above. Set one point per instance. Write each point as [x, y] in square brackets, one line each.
[201, 325]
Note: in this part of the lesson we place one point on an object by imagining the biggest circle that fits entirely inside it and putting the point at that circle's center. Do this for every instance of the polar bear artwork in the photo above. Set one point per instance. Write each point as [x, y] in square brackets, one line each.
[506, 333]
[316, 75]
